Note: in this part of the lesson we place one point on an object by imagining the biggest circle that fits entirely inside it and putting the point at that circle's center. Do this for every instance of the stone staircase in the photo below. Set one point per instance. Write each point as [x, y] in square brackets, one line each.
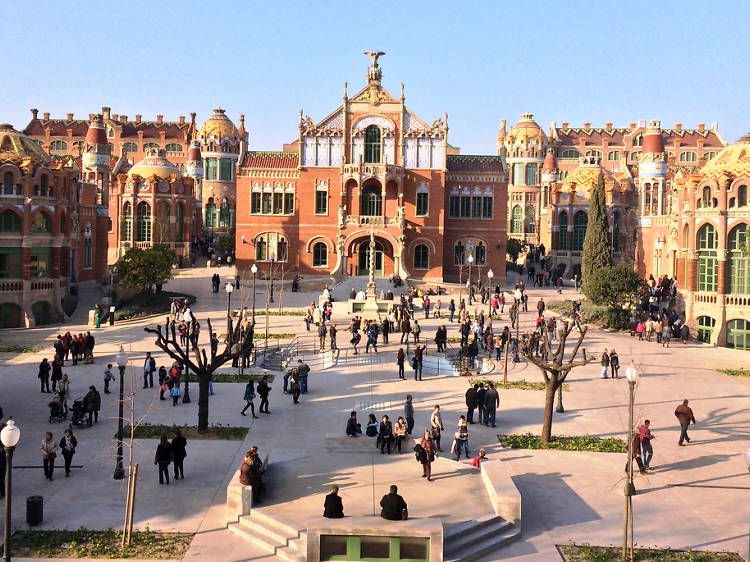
[473, 539]
[273, 361]
[279, 538]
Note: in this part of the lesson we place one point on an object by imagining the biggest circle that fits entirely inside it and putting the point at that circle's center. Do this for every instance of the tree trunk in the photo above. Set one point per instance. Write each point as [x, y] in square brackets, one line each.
[203, 402]
[549, 403]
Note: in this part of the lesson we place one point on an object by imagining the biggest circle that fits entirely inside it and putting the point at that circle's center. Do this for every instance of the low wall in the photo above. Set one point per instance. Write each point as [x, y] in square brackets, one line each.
[344, 443]
[504, 496]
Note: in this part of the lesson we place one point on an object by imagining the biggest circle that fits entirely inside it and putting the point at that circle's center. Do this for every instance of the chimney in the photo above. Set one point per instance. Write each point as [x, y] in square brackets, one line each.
[701, 127]
[565, 124]
[138, 117]
[106, 112]
[34, 113]
[123, 118]
[91, 116]
[182, 119]
[70, 116]
[115, 117]
[159, 118]
[192, 117]
[586, 126]
[45, 115]
[609, 126]
[678, 126]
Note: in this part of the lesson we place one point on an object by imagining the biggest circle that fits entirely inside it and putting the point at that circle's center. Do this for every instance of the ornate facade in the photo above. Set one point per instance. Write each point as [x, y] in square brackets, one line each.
[372, 165]
[52, 232]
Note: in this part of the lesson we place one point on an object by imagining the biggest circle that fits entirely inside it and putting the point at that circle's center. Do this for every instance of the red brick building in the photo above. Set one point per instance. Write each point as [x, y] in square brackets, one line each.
[372, 165]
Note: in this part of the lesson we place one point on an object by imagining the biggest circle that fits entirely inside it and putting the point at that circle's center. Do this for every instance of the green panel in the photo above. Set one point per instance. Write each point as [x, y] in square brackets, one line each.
[374, 548]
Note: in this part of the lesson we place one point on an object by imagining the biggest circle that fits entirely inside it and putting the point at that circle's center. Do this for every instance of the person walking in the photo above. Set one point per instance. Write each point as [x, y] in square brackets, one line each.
[322, 332]
[605, 364]
[249, 397]
[647, 451]
[461, 438]
[295, 385]
[149, 367]
[263, 391]
[451, 310]
[481, 394]
[471, 402]
[68, 445]
[163, 458]
[179, 444]
[332, 335]
[44, 369]
[333, 507]
[491, 403]
[418, 353]
[416, 330]
[684, 415]
[49, 454]
[174, 392]
[405, 329]
[93, 403]
[409, 414]
[65, 391]
[436, 424]
[108, 377]
[400, 358]
[56, 373]
[385, 435]
[614, 363]
[427, 454]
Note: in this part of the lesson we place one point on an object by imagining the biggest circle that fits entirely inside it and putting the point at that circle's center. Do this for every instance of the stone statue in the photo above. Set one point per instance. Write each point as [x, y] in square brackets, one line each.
[374, 56]
[402, 217]
[341, 216]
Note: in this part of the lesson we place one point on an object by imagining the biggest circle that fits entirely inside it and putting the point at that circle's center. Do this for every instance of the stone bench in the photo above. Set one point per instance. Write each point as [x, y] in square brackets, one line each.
[344, 443]
[504, 496]
[240, 496]
[427, 528]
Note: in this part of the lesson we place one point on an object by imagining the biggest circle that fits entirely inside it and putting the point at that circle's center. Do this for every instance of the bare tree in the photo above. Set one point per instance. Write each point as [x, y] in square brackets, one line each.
[196, 359]
[555, 368]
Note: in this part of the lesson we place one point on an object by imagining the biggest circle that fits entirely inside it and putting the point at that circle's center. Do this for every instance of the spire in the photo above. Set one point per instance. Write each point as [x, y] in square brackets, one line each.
[549, 160]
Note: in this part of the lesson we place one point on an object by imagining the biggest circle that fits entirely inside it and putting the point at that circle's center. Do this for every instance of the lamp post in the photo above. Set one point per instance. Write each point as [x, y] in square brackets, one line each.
[254, 269]
[229, 288]
[273, 257]
[9, 436]
[470, 259]
[122, 364]
[490, 275]
[631, 373]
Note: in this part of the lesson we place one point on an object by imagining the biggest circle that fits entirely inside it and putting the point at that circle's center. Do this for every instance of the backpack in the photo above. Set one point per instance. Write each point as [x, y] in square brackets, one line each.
[175, 391]
[414, 363]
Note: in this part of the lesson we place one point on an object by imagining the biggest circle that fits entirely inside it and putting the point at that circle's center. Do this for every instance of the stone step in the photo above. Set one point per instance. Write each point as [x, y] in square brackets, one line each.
[273, 534]
[457, 531]
[343, 443]
[482, 547]
[291, 555]
[284, 528]
[257, 539]
[461, 545]
[300, 543]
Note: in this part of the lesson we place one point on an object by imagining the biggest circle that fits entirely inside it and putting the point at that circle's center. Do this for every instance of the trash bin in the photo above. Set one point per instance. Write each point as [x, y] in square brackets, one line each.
[34, 510]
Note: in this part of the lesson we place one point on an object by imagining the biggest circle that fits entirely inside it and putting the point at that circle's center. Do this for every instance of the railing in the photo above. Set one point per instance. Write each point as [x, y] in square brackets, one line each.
[373, 170]
[730, 300]
[11, 286]
[42, 285]
[367, 220]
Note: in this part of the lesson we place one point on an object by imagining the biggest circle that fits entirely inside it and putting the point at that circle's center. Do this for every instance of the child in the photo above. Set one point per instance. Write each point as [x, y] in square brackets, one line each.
[482, 456]
[108, 376]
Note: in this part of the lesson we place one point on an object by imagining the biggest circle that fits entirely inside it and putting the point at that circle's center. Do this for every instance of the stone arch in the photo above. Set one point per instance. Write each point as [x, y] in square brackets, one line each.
[319, 237]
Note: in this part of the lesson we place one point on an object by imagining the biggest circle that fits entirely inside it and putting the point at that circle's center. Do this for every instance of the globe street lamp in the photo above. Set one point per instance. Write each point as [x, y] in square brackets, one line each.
[470, 259]
[9, 436]
[631, 373]
[273, 257]
[254, 269]
[122, 364]
[229, 288]
[490, 275]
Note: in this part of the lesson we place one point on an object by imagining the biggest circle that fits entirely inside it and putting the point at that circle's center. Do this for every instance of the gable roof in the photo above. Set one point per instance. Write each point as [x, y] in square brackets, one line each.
[478, 163]
[270, 160]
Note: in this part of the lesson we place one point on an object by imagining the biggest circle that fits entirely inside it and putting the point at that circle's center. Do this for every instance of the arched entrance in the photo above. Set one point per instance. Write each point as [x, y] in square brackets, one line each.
[363, 259]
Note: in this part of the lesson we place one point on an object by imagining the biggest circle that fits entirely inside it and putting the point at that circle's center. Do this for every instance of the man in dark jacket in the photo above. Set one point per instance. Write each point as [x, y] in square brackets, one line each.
[471, 402]
[394, 506]
[481, 393]
[333, 508]
[149, 367]
[263, 391]
[684, 415]
[491, 403]
[93, 403]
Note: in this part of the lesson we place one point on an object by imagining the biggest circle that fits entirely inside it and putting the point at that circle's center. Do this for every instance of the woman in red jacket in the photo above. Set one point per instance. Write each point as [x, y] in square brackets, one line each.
[429, 454]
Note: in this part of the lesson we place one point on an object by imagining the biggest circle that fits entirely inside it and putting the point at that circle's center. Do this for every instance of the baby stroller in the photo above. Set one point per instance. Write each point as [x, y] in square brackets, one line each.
[56, 412]
[79, 413]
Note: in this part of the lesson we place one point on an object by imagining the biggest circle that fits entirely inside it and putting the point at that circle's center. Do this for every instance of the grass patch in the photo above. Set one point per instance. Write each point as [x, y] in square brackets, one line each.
[235, 377]
[523, 384]
[262, 312]
[224, 432]
[146, 305]
[588, 553]
[564, 443]
[736, 372]
[86, 543]
[19, 349]
[590, 313]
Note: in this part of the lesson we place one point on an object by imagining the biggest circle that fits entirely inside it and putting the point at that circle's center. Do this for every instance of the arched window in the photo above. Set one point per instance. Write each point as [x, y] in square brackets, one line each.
[210, 218]
[580, 221]
[261, 249]
[180, 223]
[562, 235]
[738, 334]
[706, 197]
[44, 185]
[421, 257]
[634, 156]
[58, 145]
[371, 201]
[570, 153]
[481, 253]
[529, 224]
[705, 327]
[638, 140]
[10, 222]
[41, 223]
[459, 252]
[742, 196]
[516, 220]
[710, 155]
[320, 254]
[372, 144]
[739, 261]
[130, 147]
[282, 249]
[707, 259]
[150, 146]
[161, 226]
[8, 185]
[127, 222]
[531, 174]
[224, 214]
[689, 157]
[613, 156]
[615, 231]
[173, 147]
[594, 154]
[143, 222]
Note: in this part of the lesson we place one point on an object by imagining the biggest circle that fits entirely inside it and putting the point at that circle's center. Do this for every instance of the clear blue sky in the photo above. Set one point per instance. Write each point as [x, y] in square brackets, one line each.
[565, 61]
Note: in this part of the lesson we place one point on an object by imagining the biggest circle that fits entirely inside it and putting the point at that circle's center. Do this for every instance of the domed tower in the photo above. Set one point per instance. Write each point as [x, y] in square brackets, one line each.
[220, 145]
[549, 175]
[652, 172]
[525, 147]
[95, 158]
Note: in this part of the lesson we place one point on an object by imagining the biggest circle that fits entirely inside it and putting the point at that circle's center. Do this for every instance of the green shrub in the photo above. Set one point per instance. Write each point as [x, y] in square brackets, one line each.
[564, 443]
[148, 431]
[588, 553]
[736, 372]
[148, 304]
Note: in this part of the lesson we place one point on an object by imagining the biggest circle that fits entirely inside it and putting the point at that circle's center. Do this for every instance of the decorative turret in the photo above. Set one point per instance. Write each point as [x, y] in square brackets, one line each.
[95, 158]
[549, 168]
[194, 164]
[653, 159]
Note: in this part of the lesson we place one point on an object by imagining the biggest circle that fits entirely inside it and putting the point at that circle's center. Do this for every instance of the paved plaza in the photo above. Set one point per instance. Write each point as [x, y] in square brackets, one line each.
[694, 499]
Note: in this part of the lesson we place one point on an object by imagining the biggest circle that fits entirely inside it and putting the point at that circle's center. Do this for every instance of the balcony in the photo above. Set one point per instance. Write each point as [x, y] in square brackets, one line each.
[370, 220]
[364, 171]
